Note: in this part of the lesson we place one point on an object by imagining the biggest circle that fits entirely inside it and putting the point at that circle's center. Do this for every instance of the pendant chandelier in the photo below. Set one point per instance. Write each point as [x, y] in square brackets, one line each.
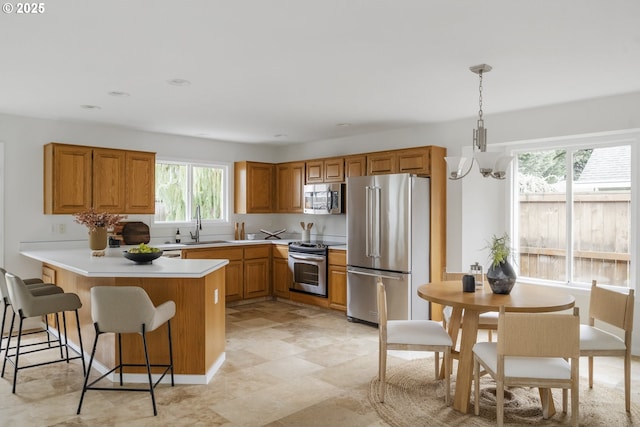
[490, 164]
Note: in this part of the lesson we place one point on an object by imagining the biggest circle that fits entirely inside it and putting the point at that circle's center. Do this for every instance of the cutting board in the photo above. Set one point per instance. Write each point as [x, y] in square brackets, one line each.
[135, 232]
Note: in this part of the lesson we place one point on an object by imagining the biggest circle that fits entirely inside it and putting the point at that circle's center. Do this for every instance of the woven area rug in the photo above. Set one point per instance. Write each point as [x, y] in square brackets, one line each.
[414, 398]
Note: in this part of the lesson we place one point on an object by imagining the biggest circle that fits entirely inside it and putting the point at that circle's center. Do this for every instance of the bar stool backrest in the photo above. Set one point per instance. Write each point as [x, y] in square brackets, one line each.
[4, 290]
[122, 309]
[19, 295]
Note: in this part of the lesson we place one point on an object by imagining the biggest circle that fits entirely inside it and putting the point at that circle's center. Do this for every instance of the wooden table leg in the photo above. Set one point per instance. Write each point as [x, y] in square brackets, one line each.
[454, 328]
[464, 377]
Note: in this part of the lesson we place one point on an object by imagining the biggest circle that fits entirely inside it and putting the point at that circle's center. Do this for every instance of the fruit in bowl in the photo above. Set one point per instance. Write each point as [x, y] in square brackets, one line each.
[143, 254]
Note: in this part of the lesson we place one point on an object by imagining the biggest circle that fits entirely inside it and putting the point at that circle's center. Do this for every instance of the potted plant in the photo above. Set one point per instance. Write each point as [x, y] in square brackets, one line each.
[500, 275]
[97, 223]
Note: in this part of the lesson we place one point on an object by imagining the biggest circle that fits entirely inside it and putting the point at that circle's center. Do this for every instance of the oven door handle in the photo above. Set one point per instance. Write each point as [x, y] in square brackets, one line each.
[307, 257]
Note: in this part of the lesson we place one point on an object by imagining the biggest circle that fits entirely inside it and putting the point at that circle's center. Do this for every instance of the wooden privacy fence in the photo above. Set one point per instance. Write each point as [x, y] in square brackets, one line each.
[601, 237]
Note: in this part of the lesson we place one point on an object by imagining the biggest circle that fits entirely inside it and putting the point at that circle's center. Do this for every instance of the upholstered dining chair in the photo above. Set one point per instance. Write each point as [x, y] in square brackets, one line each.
[128, 310]
[35, 286]
[411, 335]
[25, 305]
[614, 308]
[533, 349]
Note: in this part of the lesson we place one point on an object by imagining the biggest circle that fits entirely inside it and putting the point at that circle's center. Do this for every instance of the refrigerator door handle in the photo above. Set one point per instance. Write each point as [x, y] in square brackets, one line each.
[372, 218]
[377, 222]
[386, 275]
[367, 221]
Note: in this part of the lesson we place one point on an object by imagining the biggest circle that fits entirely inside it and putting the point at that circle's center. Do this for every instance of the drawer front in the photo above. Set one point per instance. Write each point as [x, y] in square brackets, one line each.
[261, 251]
[281, 251]
[337, 257]
[213, 253]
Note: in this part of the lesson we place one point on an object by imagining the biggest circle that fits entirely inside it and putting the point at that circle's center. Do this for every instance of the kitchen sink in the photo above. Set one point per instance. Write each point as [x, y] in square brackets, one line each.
[205, 242]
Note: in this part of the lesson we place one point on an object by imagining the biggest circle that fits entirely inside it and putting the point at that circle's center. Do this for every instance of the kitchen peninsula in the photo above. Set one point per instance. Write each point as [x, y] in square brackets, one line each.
[195, 285]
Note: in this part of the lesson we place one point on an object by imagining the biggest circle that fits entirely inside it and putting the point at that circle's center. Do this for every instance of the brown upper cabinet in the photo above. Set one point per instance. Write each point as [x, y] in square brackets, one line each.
[257, 185]
[383, 162]
[325, 170]
[140, 169]
[334, 169]
[355, 166]
[78, 177]
[410, 160]
[314, 171]
[254, 182]
[109, 176]
[289, 187]
[67, 178]
[414, 160]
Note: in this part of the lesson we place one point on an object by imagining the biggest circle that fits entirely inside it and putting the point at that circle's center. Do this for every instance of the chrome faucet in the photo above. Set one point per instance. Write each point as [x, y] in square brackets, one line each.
[196, 236]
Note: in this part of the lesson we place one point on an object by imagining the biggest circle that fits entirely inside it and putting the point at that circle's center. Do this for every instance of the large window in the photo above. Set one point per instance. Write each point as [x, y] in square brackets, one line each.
[573, 221]
[180, 187]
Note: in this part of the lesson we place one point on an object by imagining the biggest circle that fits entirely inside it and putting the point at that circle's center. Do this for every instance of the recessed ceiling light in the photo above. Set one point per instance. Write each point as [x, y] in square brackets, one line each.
[343, 125]
[118, 94]
[90, 107]
[179, 82]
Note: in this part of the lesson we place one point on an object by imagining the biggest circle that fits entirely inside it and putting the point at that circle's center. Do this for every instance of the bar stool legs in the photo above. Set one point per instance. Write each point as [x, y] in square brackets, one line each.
[14, 358]
[119, 368]
[128, 310]
[25, 304]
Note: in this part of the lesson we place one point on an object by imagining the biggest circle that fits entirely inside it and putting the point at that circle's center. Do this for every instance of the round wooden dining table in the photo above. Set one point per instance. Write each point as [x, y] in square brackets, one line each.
[523, 298]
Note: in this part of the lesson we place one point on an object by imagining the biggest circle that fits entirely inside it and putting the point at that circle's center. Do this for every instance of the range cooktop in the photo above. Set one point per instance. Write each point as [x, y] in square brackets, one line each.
[316, 244]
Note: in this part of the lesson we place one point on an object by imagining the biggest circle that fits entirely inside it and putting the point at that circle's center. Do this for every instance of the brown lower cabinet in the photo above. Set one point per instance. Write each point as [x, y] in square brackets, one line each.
[252, 270]
[257, 271]
[198, 327]
[248, 271]
[338, 279]
[282, 277]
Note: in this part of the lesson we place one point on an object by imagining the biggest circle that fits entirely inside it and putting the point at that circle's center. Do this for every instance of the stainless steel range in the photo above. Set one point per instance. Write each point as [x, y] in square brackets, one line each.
[308, 264]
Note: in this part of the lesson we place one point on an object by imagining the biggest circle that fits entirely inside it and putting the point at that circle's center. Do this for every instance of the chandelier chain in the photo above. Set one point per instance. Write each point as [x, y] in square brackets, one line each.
[480, 97]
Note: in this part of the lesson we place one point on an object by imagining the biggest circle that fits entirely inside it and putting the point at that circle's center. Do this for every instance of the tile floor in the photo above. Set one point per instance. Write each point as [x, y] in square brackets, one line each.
[286, 365]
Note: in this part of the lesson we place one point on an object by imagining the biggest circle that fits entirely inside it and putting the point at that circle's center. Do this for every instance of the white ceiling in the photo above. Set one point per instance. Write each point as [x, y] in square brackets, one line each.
[298, 68]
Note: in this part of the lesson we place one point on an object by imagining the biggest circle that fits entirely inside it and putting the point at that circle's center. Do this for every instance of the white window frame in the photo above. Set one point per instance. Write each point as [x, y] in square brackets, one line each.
[631, 138]
[226, 184]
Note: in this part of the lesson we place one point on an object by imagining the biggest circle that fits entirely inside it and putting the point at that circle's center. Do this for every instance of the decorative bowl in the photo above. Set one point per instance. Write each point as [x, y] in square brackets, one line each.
[142, 258]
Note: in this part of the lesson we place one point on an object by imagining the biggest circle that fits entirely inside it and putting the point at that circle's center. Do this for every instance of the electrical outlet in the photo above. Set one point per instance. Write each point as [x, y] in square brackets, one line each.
[54, 229]
[62, 228]
[215, 296]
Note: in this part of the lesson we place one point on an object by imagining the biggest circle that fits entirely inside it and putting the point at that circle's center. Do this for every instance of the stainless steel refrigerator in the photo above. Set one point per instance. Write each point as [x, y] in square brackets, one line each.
[387, 236]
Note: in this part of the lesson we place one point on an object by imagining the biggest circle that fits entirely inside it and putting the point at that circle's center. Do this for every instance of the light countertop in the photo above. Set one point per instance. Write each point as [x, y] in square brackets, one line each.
[114, 264]
[204, 244]
[220, 244]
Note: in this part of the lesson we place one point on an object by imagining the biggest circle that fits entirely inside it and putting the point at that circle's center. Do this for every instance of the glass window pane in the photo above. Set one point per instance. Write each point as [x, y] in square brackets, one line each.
[208, 192]
[602, 215]
[542, 227]
[171, 192]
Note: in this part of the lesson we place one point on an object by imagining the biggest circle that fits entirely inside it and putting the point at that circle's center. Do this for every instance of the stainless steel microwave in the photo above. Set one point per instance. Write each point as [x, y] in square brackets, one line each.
[324, 199]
